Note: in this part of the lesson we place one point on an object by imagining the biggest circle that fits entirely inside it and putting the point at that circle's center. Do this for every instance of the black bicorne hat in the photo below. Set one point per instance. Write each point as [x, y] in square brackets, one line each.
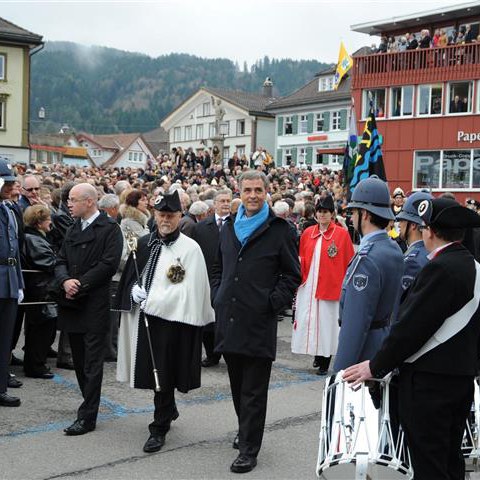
[326, 203]
[447, 213]
[168, 203]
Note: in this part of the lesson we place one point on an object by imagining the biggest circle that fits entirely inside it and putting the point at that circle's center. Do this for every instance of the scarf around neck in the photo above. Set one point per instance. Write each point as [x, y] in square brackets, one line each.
[245, 226]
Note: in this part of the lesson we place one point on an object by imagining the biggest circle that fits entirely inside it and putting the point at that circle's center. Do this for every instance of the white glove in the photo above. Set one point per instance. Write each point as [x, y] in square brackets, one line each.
[21, 296]
[139, 294]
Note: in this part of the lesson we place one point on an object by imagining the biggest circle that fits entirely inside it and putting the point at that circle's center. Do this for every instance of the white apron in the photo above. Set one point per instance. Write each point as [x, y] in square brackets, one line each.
[316, 330]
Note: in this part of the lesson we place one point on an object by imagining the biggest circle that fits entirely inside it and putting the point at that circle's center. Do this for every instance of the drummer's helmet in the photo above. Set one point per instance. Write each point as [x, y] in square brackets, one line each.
[6, 171]
[372, 194]
[410, 209]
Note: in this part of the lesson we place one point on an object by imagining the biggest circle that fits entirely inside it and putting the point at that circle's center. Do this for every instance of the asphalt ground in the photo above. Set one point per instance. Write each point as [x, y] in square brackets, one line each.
[198, 446]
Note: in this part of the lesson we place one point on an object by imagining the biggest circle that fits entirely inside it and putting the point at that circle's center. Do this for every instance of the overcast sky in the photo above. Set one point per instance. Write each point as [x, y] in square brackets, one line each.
[238, 30]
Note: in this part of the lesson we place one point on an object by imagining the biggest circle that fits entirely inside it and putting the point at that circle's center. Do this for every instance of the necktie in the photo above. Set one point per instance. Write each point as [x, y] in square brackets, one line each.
[220, 224]
[84, 224]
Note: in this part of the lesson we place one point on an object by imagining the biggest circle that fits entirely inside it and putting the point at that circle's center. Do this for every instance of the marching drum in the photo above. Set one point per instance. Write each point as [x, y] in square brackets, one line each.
[357, 440]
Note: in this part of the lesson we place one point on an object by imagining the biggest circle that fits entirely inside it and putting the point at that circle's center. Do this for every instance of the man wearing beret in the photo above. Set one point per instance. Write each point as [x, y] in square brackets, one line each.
[435, 344]
[173, 295]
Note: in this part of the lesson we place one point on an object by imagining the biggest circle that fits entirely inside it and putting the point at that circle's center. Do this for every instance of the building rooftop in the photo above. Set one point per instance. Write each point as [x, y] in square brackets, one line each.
[419, 19]
[11, 33]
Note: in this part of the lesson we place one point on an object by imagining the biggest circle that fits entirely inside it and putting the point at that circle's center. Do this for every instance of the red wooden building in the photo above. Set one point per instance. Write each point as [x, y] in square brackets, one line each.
[427, 102]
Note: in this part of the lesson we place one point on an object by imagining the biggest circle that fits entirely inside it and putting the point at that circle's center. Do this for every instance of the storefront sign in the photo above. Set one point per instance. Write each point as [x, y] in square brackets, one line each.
[317, 138]
[469, 137]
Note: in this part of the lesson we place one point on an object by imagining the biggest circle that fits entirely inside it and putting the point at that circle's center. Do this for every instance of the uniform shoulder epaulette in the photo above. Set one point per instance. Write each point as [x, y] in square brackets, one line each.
[363, 252]
[412, 254]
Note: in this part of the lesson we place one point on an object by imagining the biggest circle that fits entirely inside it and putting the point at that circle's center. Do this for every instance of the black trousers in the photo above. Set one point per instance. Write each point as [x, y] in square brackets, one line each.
[433, 409]
[18, 326]
[249, 378]
[112, 335]
[38, 338]
[8, 313]
[88, 350]
[208, 340]
[165, 411]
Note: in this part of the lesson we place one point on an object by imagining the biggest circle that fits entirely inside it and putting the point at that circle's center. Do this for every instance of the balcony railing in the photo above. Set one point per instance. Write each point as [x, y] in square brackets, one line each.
[454, 62]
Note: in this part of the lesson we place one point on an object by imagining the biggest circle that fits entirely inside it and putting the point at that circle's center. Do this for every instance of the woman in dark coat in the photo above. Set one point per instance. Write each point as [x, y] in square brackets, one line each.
[40, 320]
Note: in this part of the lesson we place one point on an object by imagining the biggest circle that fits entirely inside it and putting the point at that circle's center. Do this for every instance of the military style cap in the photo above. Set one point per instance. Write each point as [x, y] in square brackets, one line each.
[398, 191]
[325, 204]
[372, 194]
[447, 213]
[6, 172]
[410, 209]
[168, 203]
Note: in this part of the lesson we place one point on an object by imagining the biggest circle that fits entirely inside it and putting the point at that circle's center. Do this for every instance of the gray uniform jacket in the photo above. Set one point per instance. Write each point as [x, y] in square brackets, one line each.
[415, 258]
[369, 300]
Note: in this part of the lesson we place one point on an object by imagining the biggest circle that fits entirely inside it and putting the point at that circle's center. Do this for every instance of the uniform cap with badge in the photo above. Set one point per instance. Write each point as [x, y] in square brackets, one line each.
[6, 171]
[447, 213]
[372, 194]
[409, 212]
[398, 192]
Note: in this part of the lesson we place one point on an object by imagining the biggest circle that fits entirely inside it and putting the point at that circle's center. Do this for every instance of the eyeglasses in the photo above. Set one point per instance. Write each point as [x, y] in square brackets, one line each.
[32, 189]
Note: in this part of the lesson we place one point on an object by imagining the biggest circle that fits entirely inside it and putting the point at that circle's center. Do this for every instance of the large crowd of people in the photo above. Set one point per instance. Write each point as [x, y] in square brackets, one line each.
[142, 266]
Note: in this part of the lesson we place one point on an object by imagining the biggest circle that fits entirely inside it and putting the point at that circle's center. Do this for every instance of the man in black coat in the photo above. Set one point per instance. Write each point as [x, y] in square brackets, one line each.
[206, 234]
[435, 345]
[88, 259]
[254, 279]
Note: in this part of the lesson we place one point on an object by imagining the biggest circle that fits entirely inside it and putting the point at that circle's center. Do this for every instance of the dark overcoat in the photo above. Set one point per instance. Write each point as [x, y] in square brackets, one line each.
[92, 256]
[205, 233]
[251, 285]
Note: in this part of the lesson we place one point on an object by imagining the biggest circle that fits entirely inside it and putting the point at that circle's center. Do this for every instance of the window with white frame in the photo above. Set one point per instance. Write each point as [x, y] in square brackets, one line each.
[177, 134]
[199, 132]
[130, 156]
[460, 97]
[3, 64]
[320, 158]
[325, 84]
[429, 99]
[302, 155]
[401, 101]
[303, 126]
[447, 169]
[319, 122]
[140, 156]
[336, 120]
[334, 159]
[211, 130]
[3, 120]
[225, 128]
[206, 109]
[188, 132]
[378, 97]
[240, 127]
[288, 126]
[287, 156]
[240, 149]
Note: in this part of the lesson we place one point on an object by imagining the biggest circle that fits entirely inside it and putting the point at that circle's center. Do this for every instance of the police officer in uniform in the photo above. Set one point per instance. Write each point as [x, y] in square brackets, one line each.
[371, 287]
[435, 345]
[410, 223]
[11, 280]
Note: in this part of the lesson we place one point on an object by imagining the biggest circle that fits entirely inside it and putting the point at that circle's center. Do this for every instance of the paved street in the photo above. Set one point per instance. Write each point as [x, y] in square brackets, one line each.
[32, 445]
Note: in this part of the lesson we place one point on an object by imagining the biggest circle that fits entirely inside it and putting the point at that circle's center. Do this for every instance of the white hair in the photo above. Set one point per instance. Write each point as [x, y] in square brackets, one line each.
[281, 208]
[198, 208]
[109, 201]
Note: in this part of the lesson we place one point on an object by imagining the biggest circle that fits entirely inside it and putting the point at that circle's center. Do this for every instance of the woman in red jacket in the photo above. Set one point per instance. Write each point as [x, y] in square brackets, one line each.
[325, 251]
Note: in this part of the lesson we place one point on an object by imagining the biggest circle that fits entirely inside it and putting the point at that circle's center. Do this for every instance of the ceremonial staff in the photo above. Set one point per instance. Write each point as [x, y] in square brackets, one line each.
[132, 247]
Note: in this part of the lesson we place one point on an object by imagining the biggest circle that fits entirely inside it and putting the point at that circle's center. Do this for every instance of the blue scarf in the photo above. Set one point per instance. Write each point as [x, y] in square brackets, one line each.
[245, 226]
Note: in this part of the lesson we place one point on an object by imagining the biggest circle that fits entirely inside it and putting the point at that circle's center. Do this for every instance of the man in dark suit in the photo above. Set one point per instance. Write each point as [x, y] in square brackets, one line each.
[206, 234]
[88, 259]
[435, 345]
[254, 279]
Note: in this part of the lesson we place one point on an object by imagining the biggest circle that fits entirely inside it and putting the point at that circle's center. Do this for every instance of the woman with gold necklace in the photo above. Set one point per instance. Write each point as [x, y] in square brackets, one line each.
[325, 251]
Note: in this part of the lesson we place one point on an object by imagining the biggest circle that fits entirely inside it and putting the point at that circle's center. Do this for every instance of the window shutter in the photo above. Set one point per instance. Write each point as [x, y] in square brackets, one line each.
[343, 119]
[279, 158]
[280, 125]
[294, 155]
[310, 123]
[326, 121]
[295, 124]
[309, 156]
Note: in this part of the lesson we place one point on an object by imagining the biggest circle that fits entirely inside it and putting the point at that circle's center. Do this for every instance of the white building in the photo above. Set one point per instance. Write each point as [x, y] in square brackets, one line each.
[312, 123]
[245, 126]
[117, 150]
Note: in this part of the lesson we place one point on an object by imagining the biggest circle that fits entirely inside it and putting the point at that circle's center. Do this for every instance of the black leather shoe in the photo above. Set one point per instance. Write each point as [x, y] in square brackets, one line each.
[16, 361]
[79, 427]
[43, 375]
[235, 442]
[65, 365]
[154, 443]
[209, 362]
[316, 362]
[243, 464]
[13, 382]
[7, 401]
[52, 353]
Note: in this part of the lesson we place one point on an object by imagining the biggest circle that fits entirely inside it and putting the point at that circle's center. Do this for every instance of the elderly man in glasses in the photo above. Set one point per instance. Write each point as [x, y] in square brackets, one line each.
[30, 192]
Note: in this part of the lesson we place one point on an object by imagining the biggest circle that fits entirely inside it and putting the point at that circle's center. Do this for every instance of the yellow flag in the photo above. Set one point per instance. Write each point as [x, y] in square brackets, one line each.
[344, 64]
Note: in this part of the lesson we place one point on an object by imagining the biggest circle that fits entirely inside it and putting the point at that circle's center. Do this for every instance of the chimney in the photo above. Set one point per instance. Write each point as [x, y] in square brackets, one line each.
[268, 88]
